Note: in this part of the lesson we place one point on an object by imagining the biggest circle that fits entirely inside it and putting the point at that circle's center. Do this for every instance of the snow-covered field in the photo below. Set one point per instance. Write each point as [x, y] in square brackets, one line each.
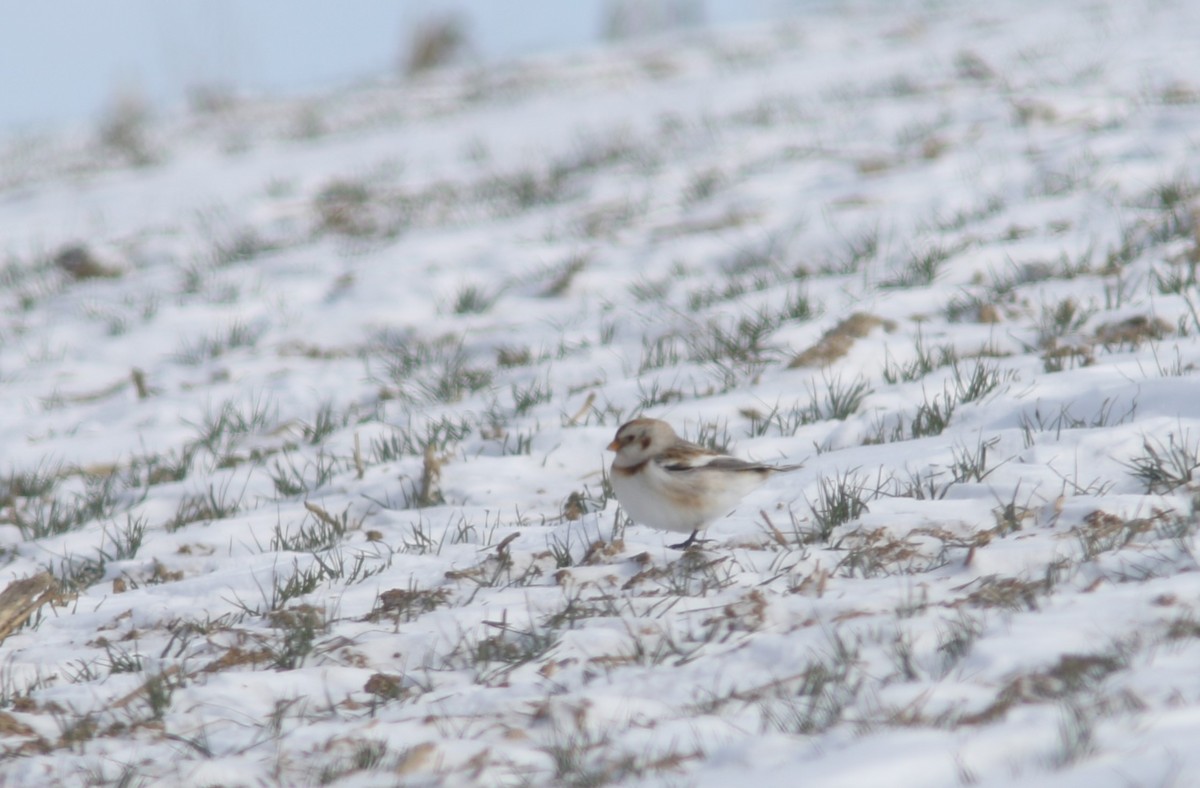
[304, 407]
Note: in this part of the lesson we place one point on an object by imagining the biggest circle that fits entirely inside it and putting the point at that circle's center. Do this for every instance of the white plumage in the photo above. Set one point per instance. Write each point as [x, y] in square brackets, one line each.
[668, 483]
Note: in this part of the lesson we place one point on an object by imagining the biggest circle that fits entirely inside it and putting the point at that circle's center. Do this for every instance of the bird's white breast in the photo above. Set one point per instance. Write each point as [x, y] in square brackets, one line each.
[680, 501]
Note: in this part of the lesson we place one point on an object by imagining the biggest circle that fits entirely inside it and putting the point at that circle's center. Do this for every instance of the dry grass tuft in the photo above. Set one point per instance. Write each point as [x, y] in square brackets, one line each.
[838, 340]
[1132, 331]
[436, 42]
[81, 263]
[22, 598]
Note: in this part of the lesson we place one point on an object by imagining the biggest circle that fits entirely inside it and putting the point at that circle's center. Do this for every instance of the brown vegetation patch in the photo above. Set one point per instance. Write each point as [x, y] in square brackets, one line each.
[1072, 674]
[21, 599]
[436, 42]
[1010, 593]
[989, 313]
[1132, 331]
[81, 263]
[11, 726]
[734, 217]
[408, 603]
[385, 686]
[837, 341]
[344, 207]
[236, 657]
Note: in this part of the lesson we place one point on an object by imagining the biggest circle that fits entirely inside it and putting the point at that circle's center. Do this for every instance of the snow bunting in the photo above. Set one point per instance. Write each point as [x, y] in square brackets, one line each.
[665, 482]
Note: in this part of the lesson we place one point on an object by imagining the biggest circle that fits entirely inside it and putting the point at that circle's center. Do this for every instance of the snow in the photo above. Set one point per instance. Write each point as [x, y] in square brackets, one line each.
[318, 460]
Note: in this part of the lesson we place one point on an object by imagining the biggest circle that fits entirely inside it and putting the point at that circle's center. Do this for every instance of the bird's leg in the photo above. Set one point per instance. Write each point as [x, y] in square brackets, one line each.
[685, 544]
[691, 540]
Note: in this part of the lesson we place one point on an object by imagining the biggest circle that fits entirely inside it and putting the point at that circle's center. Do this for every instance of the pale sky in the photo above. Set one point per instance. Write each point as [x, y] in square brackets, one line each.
[61, 62]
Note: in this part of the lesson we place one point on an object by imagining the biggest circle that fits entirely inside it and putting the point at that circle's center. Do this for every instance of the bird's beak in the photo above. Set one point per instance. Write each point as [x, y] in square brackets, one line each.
[614, 446]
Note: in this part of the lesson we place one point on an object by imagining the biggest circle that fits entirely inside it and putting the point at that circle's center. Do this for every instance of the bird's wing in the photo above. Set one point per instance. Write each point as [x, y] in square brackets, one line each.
[683, 455]
[686, 456]
[719, 462]
[716, 462]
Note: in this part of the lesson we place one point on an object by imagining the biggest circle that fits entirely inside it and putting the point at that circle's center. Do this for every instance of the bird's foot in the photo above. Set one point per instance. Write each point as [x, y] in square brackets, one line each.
[691, 541]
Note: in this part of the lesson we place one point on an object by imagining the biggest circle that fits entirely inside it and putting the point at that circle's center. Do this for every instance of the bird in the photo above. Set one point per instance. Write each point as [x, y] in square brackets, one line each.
[670, 484]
